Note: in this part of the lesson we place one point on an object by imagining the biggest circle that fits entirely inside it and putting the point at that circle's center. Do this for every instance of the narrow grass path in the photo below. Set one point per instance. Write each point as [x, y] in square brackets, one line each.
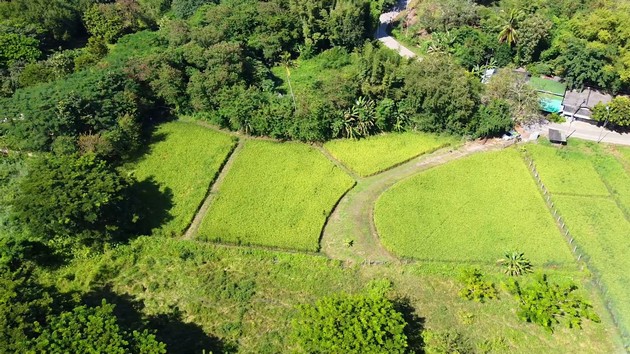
[350, 234]
[201, 213]
[338, 163]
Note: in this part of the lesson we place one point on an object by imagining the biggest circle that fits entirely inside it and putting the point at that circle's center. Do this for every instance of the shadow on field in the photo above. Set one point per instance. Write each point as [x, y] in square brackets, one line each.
[415, 324]
[151, 205]
[179, 336]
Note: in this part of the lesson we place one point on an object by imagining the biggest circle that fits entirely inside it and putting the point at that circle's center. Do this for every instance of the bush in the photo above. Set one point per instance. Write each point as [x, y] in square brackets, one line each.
[549, 304]
[475, 287]
[350, 324]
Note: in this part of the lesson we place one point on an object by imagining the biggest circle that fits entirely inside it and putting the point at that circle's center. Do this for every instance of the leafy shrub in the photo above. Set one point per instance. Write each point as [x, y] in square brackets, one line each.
[549, 304]
[475, 287]
[516, 264]
[350, 324]
[94, 329]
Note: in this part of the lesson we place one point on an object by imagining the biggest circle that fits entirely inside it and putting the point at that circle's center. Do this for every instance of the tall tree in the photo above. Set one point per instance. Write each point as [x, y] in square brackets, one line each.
[65, 199]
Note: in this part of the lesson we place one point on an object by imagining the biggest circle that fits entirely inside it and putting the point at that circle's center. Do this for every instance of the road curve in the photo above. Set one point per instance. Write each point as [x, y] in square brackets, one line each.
[381, 33]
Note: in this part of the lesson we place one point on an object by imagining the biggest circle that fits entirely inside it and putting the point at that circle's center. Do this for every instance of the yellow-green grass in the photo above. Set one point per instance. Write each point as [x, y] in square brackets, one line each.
[474, 210]
[378, 153]
[624, 152]
[245, 299]
[615, 176]
[275, 194]
[182, 162]
[568, 170]
[603, 233]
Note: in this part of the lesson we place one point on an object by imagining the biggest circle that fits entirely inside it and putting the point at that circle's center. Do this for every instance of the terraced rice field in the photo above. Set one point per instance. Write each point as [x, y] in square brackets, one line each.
[378, 153]
[177, 172]
[473, 210]
[275, 194]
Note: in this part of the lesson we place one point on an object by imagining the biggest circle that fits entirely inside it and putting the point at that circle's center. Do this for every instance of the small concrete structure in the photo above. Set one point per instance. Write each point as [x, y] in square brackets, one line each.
[557, 137]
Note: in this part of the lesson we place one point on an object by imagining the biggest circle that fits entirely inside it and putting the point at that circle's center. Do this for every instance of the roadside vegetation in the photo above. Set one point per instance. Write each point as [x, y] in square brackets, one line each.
[275, 194]
[378, 153]
[471, 210]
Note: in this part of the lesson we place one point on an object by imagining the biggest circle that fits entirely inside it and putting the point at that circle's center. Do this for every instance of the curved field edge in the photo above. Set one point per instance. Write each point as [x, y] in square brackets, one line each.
[375, 154]
[470, 210]
[275, 195]
[177, 172]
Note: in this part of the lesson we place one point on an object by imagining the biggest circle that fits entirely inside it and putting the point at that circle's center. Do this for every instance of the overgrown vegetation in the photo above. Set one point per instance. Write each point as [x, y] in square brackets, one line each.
[352, 324]
[549, 304]
[475, 287]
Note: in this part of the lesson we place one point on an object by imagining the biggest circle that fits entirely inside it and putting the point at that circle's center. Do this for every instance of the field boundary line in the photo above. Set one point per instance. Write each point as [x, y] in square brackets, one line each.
[332, 210]
[254, 246]
[582, 257]
[213, 188]
[339, 164]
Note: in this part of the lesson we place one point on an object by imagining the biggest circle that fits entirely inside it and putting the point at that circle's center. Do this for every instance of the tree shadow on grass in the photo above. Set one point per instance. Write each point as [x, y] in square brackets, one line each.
[415, 324]
[179, 336]
[151, 205]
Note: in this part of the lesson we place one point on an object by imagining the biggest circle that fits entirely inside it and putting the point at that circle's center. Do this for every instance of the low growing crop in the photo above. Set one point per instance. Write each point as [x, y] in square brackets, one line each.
[378, 153]
[176, 173]
[275, 194]
[470, 210]
[601, 230]
[567, 170]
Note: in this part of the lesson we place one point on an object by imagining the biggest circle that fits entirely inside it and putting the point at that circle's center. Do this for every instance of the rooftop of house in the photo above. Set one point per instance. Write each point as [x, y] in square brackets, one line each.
[586, 98]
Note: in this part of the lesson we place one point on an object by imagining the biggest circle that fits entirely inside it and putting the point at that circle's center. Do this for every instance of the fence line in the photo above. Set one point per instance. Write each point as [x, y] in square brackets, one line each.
[577, 250]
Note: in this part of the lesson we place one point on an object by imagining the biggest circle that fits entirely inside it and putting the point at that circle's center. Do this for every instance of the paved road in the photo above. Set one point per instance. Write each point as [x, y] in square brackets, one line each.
[387, 40]
[586, 131]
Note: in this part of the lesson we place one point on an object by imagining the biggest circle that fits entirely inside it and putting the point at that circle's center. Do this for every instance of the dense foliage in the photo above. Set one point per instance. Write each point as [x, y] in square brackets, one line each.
[585, 42]
[476, 287]
[549, 304]
[68, 199]
[351, 324]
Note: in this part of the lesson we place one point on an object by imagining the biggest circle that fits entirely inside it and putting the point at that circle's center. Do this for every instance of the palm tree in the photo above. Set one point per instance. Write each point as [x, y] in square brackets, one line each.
[508, 32]
[285, 58]
[516, 264]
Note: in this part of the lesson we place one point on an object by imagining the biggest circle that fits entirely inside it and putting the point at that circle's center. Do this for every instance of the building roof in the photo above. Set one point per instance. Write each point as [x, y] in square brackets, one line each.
[586, 98]
[556, 136]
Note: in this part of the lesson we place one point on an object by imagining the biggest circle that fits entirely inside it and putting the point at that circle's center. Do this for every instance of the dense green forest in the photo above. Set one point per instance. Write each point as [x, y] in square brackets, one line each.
[85, 83]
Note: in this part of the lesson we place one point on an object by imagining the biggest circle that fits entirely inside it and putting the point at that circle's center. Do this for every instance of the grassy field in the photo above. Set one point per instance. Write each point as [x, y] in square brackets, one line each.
[201, 296]
[539, 83]
[595, 205]
[472, 209]
[275, 194]
[569, 170]
[381, 152]
[176, 173]
[603, 232]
